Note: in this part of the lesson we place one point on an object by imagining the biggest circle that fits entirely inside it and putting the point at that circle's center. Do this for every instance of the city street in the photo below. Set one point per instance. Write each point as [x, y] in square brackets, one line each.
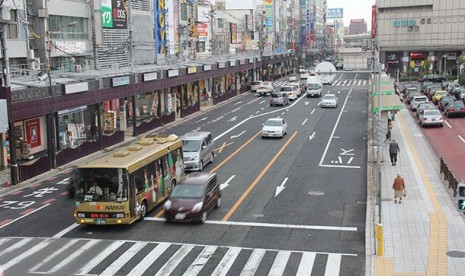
[291, 206]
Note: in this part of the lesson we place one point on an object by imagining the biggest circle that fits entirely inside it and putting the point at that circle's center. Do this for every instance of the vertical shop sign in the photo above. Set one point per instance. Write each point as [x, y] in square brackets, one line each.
[160, 28]
[33, 133]
[373, 21]
[114, 14]
[107, 16]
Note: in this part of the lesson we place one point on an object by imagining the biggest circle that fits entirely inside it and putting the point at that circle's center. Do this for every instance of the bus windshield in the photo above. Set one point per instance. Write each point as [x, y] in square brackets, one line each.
[101, 185]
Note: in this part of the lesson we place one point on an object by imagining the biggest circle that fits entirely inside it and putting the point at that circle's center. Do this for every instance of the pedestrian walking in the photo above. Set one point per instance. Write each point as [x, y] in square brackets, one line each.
[93, 131]
[393, 150]
[393, 115]
[389, 127]
[399, 187]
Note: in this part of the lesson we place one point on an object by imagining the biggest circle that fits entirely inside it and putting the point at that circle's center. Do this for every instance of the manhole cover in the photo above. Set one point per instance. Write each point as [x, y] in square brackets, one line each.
[456, 254]
[316, 193]
[258, 216]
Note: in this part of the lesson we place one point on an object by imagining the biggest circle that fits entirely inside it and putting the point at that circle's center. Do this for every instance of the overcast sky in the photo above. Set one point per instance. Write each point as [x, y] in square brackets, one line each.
[353, 9]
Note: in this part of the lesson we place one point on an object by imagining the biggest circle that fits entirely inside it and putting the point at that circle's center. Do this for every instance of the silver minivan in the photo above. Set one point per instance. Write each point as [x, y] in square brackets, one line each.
[197, 149]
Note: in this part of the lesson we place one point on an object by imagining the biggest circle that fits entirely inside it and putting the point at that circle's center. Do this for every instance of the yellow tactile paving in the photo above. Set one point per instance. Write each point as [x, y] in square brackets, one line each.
[437, 263]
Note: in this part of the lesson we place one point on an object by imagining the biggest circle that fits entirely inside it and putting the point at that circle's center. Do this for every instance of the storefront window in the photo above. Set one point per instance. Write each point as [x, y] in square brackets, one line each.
[230, 83]
[218, 86]
[73, 129]
[176, 98]
[111, 116]
[192, 94]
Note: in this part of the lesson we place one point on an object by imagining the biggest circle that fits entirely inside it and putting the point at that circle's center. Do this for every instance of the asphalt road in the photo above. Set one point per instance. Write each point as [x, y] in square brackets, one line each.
[290, 206]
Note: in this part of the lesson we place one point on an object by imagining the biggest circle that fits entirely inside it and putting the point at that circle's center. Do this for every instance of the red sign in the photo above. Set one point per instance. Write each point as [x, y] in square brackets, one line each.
[417, 56]
[373, 21]
[33, 133]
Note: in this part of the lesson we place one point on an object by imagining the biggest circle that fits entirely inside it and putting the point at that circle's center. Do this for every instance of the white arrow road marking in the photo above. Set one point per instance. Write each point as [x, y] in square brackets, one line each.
[64, 181]
[257, 111]
[235, 136]
[239, 102]
[461, 138]
[313, 111]
[203, 119]
[281, 187]
[262, 108]
[339, 159]
[226, 184]
[305, 121]
[232, 119]
[350, 160]
[307, 103]
[339, 91]
[261, 102]
[312, 136]
[347, 152]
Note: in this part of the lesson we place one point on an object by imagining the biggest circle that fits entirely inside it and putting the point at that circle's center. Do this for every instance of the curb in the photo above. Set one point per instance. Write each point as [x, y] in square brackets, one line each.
[369, 220]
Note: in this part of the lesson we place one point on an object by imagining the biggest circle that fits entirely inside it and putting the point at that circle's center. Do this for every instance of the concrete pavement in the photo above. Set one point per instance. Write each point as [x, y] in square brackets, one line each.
[425, 235]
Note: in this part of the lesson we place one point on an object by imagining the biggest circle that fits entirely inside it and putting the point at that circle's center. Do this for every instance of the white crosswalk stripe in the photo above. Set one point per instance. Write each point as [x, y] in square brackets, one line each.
[104, 257]
[356, 82]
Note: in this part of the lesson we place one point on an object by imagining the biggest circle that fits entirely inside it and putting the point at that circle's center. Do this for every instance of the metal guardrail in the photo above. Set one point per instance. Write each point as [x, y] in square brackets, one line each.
[449, 176]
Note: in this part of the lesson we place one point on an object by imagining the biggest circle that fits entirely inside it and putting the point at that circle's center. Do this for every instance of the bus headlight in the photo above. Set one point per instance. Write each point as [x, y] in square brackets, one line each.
[197, 207]
[81, 215]
[168, 204]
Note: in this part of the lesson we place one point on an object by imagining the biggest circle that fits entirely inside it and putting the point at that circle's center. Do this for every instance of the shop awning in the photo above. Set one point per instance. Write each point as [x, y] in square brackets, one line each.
[389, 99]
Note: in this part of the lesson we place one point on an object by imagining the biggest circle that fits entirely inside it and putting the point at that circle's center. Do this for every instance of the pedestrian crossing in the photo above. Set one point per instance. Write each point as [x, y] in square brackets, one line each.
[60, 256]
[342, 82]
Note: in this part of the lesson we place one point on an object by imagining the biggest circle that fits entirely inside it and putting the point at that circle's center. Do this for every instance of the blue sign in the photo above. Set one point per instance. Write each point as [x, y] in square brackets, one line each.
[335, 13]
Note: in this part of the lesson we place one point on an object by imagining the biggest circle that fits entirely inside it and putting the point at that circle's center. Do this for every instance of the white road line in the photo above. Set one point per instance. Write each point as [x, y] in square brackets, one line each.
[349, 82]
[356, 75]
[200, 261]
[333, 265]
[65, 231]
[237, 109]
[16, 246]
[350, 160]
[261, 102]
[340, 166]
[100, 257]
[23, 216]
[313, 111]
[217, 119]
[254, 261]
[339, 159]
[364, 82]
[306, 264]
[2, 241]
[71, 257]
[332, 132]
[262, 108]
[283, 113]
[225, 264]
[149, 259]
[203, 119]
[305, 121]
[239, 102]
[226, 184]
[26, 254]
[461, 138]
[174, 261]
[270, 225]
[52, 256]
[447, 123]
[123, 259]
[279, 263]
[257, 111]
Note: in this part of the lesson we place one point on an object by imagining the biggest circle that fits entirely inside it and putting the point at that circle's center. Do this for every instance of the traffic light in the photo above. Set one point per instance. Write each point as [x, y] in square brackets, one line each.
[461, 196]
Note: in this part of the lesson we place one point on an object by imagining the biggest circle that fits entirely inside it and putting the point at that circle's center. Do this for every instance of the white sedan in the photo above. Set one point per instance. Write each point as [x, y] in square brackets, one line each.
[274, 127]
[329, 100]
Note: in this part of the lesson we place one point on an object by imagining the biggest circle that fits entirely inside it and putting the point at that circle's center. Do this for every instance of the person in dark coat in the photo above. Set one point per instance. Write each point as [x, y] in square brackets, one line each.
[393, 150]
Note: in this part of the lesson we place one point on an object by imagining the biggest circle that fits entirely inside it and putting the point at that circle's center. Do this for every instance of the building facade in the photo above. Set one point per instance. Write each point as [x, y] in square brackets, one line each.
[421, 36]
[357, 26]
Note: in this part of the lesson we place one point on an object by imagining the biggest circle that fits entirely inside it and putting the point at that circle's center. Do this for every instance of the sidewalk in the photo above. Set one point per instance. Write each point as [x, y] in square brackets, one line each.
[425, 235]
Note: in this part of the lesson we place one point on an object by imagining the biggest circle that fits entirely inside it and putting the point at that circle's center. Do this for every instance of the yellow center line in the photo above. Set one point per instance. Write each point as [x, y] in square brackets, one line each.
[259, 177]
[234, 153]
[160, 213]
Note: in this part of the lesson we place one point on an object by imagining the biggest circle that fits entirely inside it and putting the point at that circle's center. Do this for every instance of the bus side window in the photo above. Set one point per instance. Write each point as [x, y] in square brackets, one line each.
[139, 180]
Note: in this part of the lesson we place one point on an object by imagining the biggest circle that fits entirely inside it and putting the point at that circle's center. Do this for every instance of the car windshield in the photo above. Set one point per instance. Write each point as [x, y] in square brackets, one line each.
[190, 145]
[94, 184]
[313, 86]
[273, 123]
[188, 191]
[439, 94]
[432, 113]
[276, 95]
[456, 105]
[286, 88]
[329, 97]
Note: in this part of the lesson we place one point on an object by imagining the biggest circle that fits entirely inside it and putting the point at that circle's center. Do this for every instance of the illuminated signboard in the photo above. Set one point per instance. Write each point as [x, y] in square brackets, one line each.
[335, 13]
[404, 23]
[114, 14]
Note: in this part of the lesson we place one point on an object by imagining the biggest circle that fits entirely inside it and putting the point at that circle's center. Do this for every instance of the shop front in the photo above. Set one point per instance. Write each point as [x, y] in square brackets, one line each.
[190, 98]
[219, 89]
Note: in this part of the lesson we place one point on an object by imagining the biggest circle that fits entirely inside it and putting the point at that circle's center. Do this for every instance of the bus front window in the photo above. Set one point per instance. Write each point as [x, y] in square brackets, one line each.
[101, 185]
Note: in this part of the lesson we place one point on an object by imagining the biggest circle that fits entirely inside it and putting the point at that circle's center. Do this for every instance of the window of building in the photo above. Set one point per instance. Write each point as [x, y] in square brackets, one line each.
[184, 11]
[12, 26]
[60, 30]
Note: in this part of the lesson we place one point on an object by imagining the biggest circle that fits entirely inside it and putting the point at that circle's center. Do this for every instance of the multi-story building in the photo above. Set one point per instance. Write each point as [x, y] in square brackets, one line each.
[357, 26]
[421, 36]
[313, 38]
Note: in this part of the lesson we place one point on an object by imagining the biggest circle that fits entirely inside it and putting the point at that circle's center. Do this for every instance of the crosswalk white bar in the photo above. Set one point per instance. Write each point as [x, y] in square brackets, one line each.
[2, 241]
[100, 257]
[343, 82]
[26, 254]
[142, 266]
[254, 261]
[174, 261]
[364, 82]
[71, 257]
[200, 261]
[228, 259]
[279, 264]
[349, 82]
[15, 246]
[52, 256]
[333, 265]
[306, 264]
[123, 259]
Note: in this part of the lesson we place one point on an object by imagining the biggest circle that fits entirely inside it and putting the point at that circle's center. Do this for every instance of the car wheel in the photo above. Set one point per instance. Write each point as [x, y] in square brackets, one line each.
[203, 218]
[212, 157]
[143, 210]
[218, 203]
[441, 125]
[201, 165]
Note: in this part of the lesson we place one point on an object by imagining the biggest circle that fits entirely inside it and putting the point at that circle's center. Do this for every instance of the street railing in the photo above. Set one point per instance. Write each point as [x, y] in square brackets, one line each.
[449, 176]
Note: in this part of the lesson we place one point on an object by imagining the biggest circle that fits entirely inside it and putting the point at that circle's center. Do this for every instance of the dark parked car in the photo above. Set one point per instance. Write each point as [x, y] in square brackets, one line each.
[432, 78]
[411, 94]
[193, 198]
[455, 108]
[407, 85]
[443, 102]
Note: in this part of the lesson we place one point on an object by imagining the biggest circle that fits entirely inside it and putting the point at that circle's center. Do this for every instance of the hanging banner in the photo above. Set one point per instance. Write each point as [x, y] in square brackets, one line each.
[33, 133]
[373, 21]
[160, 26]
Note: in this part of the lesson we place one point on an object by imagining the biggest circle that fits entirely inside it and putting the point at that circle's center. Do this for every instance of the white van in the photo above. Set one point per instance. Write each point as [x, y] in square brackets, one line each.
[314, 88]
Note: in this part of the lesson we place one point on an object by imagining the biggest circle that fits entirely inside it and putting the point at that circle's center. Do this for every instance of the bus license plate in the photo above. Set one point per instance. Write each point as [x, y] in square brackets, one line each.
[180, 216]
[100, 221]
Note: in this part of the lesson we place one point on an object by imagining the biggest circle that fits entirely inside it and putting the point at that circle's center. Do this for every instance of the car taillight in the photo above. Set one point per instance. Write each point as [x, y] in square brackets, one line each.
[451, 109]
[462, 109]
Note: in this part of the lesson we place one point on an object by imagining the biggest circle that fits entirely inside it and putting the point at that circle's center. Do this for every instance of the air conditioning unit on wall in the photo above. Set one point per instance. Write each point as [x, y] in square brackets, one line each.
[77, 68]
[35, 64]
